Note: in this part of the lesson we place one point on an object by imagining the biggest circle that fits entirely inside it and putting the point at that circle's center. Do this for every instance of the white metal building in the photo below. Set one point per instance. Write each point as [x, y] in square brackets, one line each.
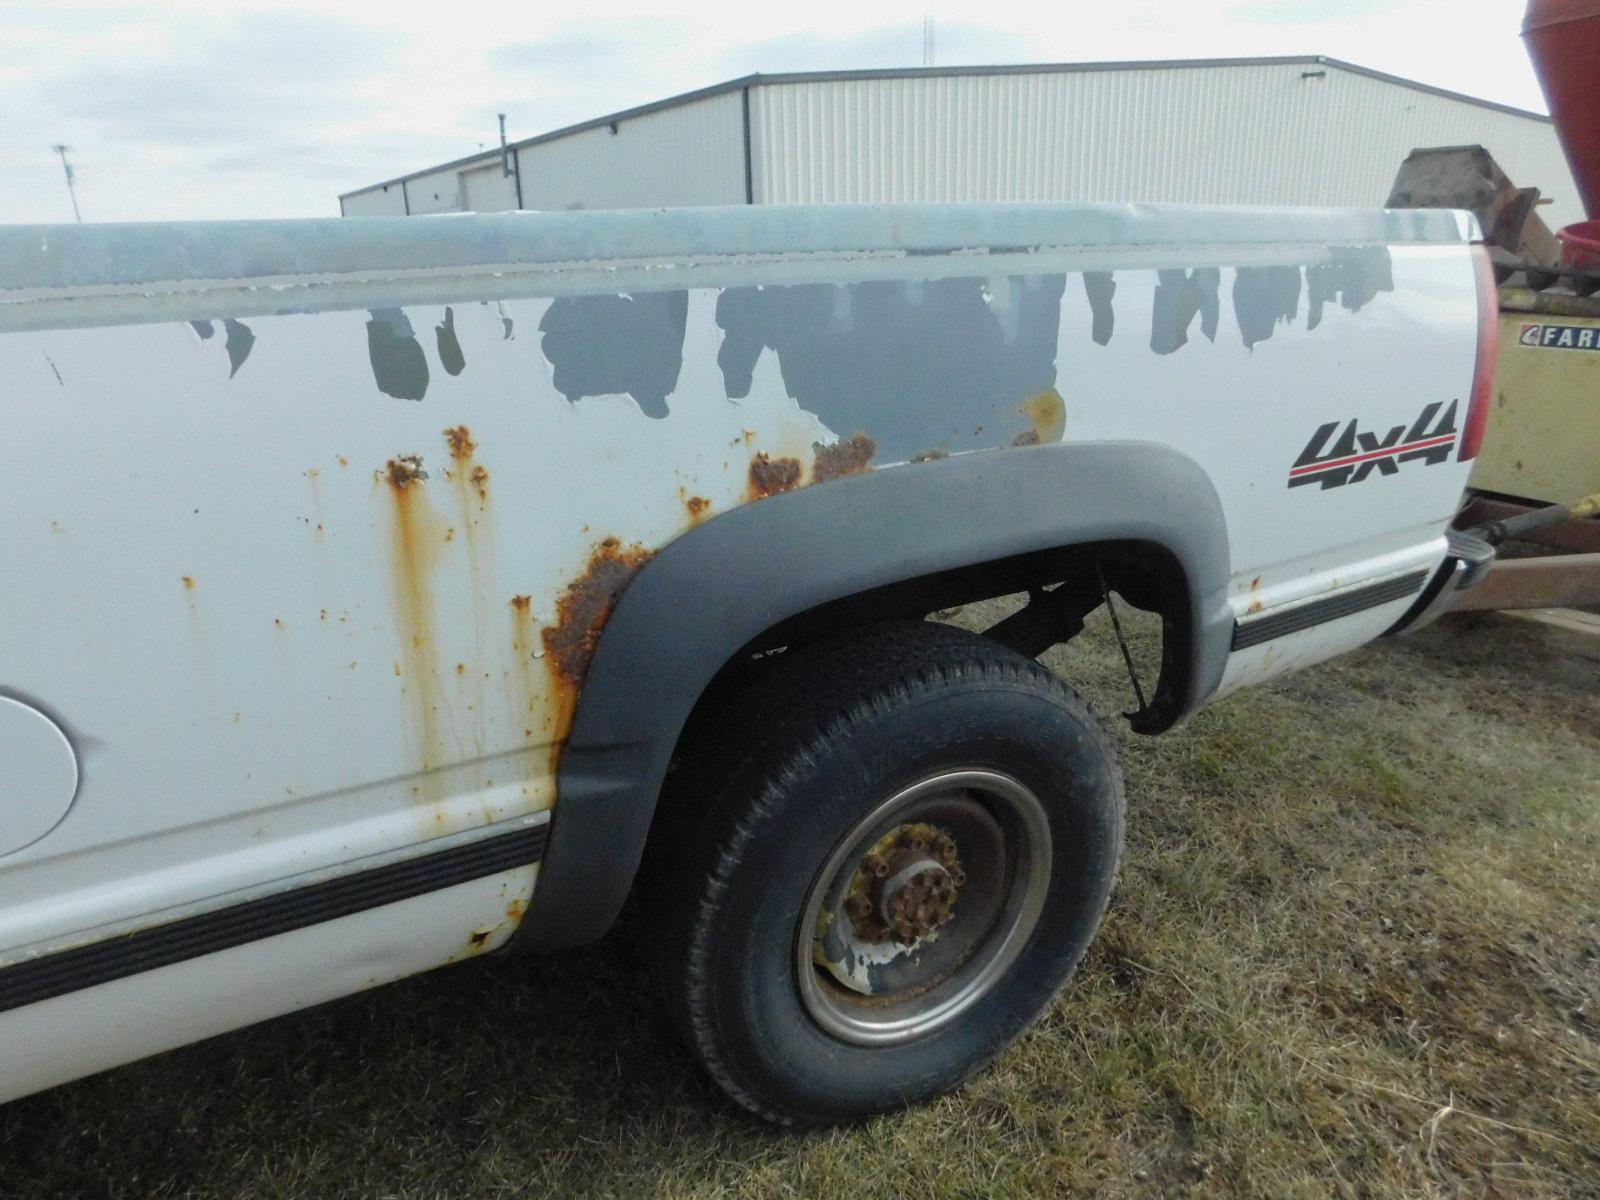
[1302, 130]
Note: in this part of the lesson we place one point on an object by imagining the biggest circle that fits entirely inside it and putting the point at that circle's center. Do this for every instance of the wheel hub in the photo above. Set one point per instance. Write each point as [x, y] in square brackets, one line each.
[906, 887]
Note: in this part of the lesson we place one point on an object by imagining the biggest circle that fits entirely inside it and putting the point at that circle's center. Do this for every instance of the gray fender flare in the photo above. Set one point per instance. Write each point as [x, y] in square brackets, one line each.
[721, 584]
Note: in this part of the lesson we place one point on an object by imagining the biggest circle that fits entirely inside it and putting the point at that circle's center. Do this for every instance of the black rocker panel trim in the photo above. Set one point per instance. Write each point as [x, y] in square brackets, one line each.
[178, 941]
[1277, 625]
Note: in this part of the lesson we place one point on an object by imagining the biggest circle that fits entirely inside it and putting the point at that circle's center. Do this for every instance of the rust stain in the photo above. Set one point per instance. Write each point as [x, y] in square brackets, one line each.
[698, 506]
[417, 543]
[1256, 606]
[188, 582]
[581, 613]
[769, 476]
[930, 455]
[343, 461]
[843, 458]
[470, 479]
[1048, 412]
[1255, 583]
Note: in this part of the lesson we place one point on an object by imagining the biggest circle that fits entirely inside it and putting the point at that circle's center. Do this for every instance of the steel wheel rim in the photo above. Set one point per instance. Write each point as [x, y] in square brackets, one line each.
[1004, 832]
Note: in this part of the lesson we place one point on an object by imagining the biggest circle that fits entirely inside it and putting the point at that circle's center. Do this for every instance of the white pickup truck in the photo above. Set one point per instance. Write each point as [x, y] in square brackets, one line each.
[379, 593]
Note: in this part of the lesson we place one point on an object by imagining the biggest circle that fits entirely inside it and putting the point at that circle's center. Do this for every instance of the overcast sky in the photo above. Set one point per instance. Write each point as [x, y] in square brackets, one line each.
[235, 108]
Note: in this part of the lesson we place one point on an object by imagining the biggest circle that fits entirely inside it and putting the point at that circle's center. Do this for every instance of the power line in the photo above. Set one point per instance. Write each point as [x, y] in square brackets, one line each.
[72, 187]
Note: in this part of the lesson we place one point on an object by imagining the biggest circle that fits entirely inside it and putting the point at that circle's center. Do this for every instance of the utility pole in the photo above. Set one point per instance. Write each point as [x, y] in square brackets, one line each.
[72, 185]
[927, 41]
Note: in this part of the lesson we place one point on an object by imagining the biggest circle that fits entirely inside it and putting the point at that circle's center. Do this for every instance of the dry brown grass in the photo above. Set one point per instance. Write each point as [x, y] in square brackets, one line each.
[1355, 952]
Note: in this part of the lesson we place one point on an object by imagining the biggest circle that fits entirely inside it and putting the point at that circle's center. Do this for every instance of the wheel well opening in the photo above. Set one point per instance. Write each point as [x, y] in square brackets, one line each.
[1063, 584]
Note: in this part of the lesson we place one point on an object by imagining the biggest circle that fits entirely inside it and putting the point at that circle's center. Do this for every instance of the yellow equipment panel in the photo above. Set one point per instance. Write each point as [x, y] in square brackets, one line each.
[1543, 438]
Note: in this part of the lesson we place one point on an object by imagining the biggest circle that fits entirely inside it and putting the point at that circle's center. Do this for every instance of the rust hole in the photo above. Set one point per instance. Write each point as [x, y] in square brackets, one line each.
[769, 476]
[461, 444]
[850, 457]
[405, 470]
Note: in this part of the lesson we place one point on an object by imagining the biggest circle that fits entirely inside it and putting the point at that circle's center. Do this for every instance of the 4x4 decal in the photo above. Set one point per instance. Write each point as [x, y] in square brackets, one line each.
[1354, 455]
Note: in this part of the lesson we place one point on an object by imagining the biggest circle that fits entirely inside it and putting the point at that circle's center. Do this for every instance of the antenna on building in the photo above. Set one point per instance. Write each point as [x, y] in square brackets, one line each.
[927, 40]
[505, 150]
[72, 183]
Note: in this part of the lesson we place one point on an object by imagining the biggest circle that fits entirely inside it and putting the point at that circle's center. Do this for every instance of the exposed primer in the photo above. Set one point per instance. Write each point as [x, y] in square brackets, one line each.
[1262, 297]
[851, 456]
[508, 327]
[916, 362]
[450, 356]
[1179, 296]
[55, 370]
[399, 367]
[617, 345]
[204, 329]
[1100, 287]
[239, 341]
[1048, 412]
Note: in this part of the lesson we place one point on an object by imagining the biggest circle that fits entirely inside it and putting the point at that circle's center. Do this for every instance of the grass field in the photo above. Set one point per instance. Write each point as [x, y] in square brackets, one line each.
[1355, 951]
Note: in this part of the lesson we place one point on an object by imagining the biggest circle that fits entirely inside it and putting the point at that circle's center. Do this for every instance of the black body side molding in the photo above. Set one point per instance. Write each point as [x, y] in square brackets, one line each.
[52, 975]
[1331, 608]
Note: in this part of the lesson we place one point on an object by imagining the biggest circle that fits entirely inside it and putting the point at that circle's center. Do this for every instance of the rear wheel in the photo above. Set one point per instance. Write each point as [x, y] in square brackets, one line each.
[878, 865]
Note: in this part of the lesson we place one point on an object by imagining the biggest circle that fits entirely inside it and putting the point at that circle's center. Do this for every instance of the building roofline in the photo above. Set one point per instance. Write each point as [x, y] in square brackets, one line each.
[791, 77]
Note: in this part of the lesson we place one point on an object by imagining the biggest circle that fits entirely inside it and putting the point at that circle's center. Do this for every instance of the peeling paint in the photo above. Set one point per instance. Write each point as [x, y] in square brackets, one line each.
[1179, 297]
[1352, 275]
[1100, 288]
[204, 329]
[1262, 297]
[450, 356]
[617, 345]
[848, 457]
[935, 360]
[399, 367]
[240, 339]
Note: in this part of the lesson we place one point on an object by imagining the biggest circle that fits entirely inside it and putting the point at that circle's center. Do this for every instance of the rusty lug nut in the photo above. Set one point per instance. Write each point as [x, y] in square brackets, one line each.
[876, 866]
[916, 842]
[958, 877]
[858, 906]
[943, 844]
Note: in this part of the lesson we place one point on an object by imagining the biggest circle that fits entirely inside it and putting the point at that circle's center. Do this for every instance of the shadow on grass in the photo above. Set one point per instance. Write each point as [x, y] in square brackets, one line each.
[472, 1080]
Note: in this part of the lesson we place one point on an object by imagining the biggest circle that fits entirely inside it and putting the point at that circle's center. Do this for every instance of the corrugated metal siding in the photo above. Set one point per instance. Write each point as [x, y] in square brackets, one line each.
[1287, 133]
[691, 154]
[384, 201]
[435, 192]
[488, 188]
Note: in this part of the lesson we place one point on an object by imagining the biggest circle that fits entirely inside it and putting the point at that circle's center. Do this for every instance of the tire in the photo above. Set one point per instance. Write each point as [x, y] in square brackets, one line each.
[884, 738]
